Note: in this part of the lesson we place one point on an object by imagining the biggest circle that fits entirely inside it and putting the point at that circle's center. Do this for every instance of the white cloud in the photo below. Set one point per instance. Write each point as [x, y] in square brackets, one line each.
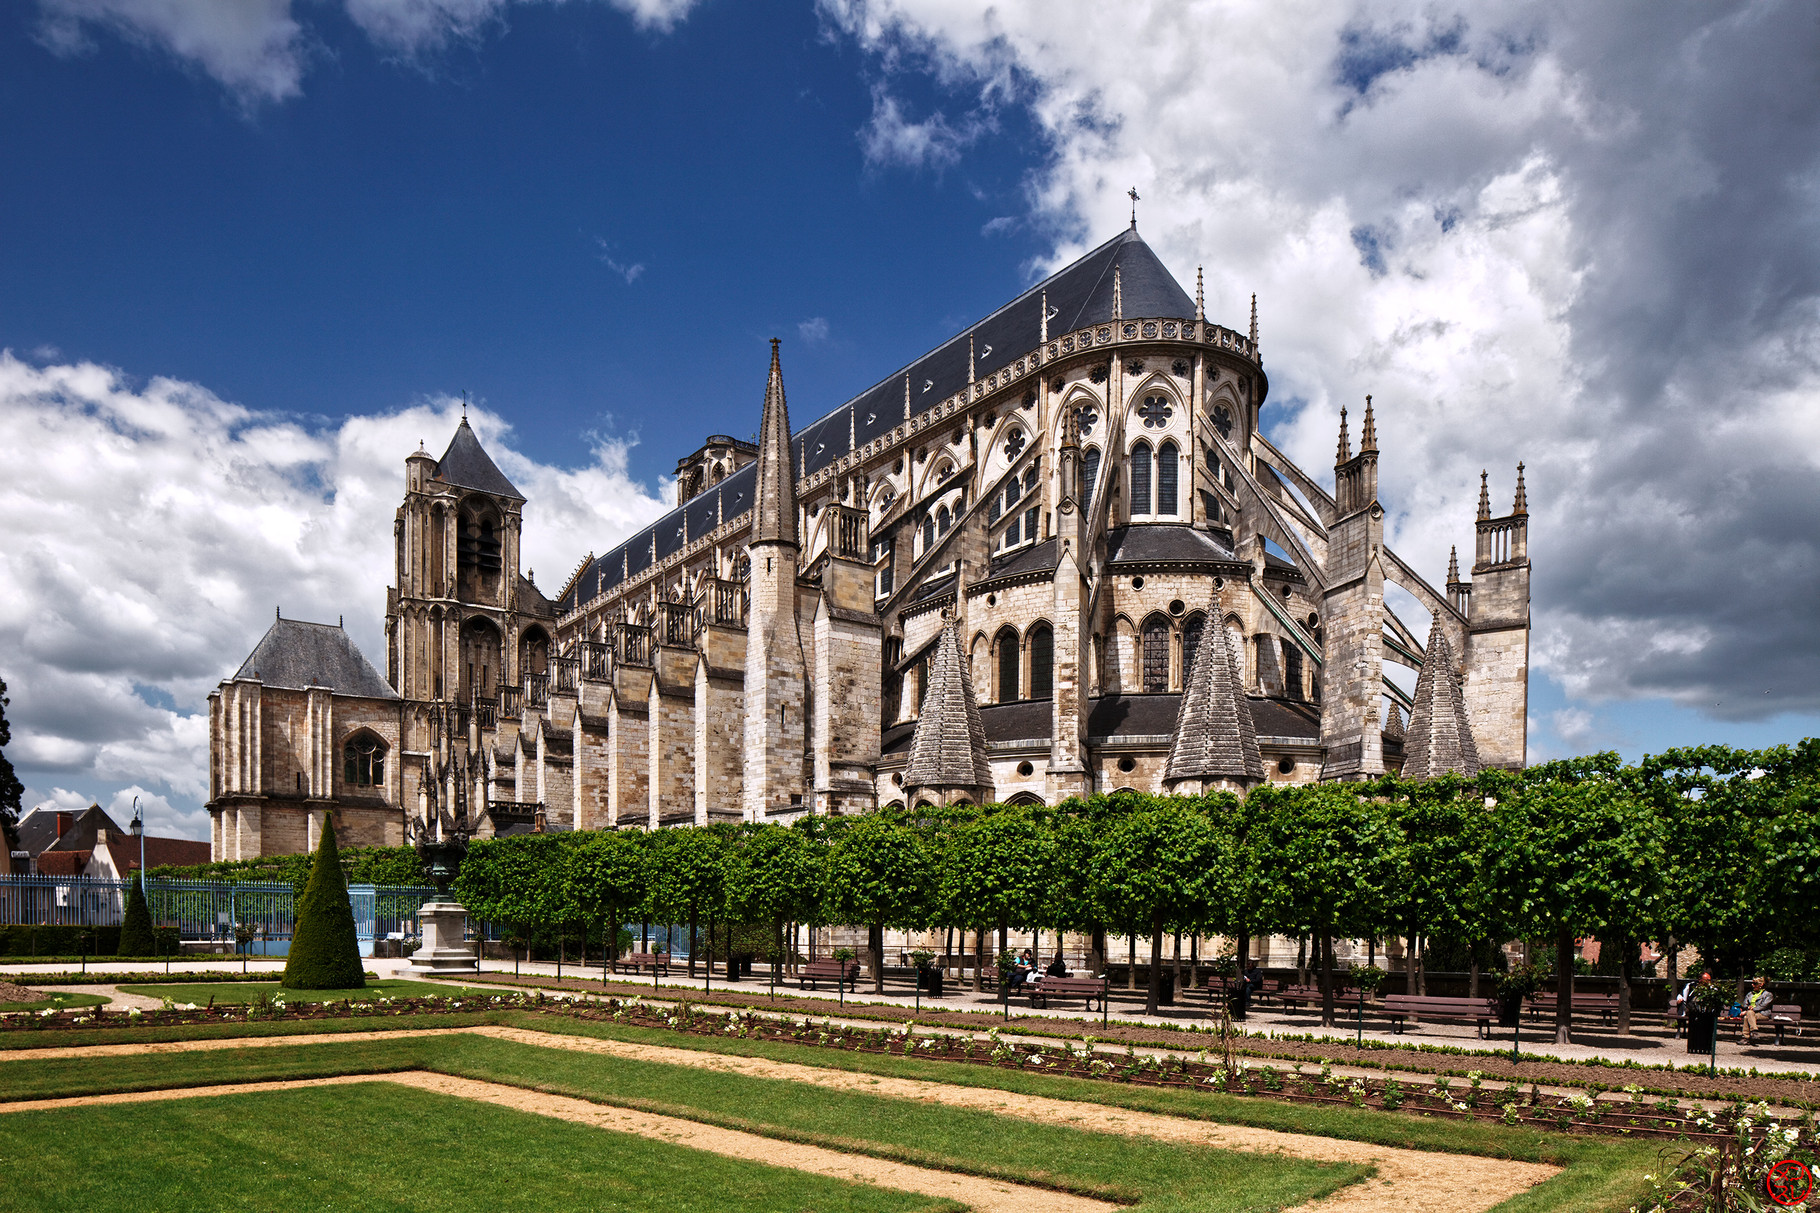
[813, 329]
[258, 50]
[1580, 236]
[891, 139]
[254, 48]
[153, 528]
[630, 271]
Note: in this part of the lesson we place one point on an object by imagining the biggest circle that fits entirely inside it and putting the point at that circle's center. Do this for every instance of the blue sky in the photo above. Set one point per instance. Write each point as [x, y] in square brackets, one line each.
[254, 250]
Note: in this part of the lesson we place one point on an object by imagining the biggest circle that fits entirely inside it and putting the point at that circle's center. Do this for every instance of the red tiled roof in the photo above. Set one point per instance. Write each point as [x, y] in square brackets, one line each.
[63, 863]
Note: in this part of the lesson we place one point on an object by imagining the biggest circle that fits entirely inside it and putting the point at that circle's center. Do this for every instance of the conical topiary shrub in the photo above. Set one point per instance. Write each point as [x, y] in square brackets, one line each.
[325, 955]
[136, 938]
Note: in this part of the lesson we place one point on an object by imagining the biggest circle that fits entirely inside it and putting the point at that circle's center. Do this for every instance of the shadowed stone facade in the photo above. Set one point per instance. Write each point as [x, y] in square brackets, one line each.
[1068, 504]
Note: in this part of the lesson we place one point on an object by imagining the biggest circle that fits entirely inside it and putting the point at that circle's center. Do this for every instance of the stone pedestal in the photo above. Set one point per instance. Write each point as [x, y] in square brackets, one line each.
[444, 952]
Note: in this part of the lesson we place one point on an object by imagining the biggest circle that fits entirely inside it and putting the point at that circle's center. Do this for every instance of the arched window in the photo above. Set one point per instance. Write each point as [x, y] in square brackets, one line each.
[1013, 490]
[928, 533]
[943, 520]
[1192, 632]
[1090, 474]
[1031, 476]
[1165, 479]
[1140, 479]
[1156, 655]
[1007, 665]
[1042, 662]
[364, 761]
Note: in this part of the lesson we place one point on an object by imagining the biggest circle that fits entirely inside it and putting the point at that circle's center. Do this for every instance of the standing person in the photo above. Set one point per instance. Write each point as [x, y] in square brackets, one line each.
[1757, 1002]
[1249, 984]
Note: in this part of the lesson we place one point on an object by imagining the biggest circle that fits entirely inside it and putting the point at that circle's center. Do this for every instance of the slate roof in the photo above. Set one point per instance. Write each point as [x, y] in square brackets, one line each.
[37, 830]
[1215, 737]
[1023, 721]
[467, 466]
[1439, 737]
[295, 655]
[1159, 543]
[1286, 718]
[1079, 294]
[1037, 558]
[948, 749]
[1113, 716]
[1132, 715]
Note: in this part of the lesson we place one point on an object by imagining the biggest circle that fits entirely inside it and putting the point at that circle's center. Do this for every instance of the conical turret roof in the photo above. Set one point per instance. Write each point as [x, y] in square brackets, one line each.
[775, 521]
[467, 465]
[948, 749]
[1215, 736]
[1439, 737]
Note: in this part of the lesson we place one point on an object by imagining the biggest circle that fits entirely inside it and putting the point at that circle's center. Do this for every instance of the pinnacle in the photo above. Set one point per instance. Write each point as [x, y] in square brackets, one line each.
[1484, 496]
[948, 749]
[1215, 736]
[774, 518]
[1345, 451]
[1522, 505]
[1439, 736]
[1368, 434]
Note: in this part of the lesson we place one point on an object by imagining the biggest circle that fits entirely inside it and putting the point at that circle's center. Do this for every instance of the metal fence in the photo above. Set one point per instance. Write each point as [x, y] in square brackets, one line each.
[204, 909]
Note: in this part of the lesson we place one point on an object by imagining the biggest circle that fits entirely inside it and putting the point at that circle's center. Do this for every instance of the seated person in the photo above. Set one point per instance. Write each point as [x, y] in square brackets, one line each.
[1756, 1003]
[1056, 967]
[1022, 971]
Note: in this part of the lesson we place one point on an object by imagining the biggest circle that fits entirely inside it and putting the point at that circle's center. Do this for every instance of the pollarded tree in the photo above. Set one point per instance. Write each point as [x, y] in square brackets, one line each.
[325, 952]
[1441, 822]
[11, 790]
[1791, 877]
[997, 869]
[1152, 865]
[688, 877]
[775, 876]
[517, 879]
[1327, 858]
[877, 872]
[606, 879]
[1574, 851]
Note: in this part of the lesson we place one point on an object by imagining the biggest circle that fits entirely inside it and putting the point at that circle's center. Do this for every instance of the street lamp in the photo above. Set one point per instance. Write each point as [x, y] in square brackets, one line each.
[138, 828]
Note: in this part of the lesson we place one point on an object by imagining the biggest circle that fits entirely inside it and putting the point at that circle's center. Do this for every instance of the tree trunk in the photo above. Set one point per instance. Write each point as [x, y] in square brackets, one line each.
[1674, 969]
[1564, 984]
[1419, 959]
[947, 946]
[1472, 977]
[999, 976]
[1096, 946]
[1326, 946]
[1624, 986]
[1241, 949]
[1156, 963]
[1131, 969]
[1371, 951]
[875, 944]
[694, 942]
[979, 959]
[1178, 962]
[1301, 960]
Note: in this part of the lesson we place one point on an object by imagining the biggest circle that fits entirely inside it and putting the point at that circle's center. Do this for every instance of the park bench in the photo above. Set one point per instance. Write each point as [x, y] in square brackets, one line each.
[1605, 1004]
[1088, 988]
[1780, 1017]
[840, 972]
[659, 961]
[1299, 996]
[1414, 1007]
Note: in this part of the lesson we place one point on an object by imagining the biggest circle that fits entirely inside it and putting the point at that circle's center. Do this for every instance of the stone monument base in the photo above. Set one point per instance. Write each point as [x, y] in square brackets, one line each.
[444, 952]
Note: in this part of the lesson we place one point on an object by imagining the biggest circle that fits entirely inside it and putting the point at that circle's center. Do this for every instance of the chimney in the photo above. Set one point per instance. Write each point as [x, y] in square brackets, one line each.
[63, 822]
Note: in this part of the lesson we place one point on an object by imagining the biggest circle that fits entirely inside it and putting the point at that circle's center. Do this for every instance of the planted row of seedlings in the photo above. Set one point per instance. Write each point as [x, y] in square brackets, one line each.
[1468, 1099]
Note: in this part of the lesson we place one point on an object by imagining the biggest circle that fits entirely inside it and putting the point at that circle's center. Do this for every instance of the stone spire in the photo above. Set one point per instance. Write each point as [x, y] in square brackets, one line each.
[1216, 740]
[1439, 737]
[1368, 434]
[1522, 505]
[1254, 320]
[1484, 496]
[1344, 453]
[774, 510]
[1200, 298]
[948, 750]
[1118, 291]
[1453, 564]
[1043, 329]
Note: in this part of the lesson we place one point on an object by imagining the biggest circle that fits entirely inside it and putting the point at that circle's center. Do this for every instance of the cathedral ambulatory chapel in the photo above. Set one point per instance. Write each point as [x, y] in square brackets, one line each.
[1053, 556]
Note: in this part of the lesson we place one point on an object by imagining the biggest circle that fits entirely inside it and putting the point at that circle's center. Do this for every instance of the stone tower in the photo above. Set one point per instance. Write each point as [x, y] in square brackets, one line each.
[775, 686]
[1352, 613]
[1497, 642]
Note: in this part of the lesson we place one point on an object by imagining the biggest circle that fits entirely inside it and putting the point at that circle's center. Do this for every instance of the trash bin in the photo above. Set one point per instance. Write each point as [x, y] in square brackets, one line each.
[1702, 1030]
[931, 981]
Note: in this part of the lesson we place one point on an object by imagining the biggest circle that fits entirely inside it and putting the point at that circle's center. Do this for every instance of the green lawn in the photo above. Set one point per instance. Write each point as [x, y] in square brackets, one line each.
[59, 999]
[1601, 1173]
[247, 991]
[377, 1146]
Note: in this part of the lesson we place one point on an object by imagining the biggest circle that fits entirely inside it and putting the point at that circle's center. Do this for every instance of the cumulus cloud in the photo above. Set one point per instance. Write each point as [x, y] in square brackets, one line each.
[813, 329]
[891, 138]
[258, 50]
[1579, 236]
[253, 48]
[153, 529]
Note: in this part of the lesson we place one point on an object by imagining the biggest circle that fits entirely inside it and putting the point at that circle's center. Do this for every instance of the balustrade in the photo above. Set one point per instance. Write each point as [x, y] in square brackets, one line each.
[632, 644]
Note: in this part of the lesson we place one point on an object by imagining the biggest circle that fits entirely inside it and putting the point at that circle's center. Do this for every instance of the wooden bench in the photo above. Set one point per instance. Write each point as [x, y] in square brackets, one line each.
[841, 972]
[659, 961]
[1605, 1004]
[1780, 1017]
[1299, 996]
[1088, 988]
[1413, 1007]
